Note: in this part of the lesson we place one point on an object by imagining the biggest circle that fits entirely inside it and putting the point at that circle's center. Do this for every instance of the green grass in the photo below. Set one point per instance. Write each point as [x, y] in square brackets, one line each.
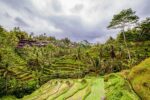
[61, 90]
[44, 90]
[73, 90]
[140, 79]
[70, 89]
[118, 88]
[80, 94]
[97, 89]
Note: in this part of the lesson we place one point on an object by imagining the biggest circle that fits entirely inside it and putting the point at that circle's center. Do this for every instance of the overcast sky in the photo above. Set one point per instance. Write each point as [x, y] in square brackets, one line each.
[75, 19]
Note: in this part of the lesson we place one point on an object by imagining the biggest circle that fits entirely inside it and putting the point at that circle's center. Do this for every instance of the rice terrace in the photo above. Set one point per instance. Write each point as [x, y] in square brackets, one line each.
[74, 50]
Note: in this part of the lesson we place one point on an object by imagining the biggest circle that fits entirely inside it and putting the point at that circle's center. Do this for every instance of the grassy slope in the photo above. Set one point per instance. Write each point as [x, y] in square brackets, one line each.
[64, 87]
[44, 92]
[58, 89]
[97, 89]
[140, 79]
[118, 88]
[74, 89]
[80, 94]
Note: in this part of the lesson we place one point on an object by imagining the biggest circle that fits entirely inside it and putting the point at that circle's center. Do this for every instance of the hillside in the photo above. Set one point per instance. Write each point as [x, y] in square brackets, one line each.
[125, 85]
[140, 80]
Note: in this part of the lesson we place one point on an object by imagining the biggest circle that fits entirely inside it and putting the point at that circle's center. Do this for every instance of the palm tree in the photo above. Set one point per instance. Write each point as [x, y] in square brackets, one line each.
[125, 18]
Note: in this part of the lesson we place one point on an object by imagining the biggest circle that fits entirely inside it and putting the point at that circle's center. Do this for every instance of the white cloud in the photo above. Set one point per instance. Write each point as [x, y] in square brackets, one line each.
[76, 19]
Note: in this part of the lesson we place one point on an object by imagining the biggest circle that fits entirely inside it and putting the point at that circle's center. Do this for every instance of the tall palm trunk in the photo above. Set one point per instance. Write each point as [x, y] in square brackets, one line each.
[129, 55]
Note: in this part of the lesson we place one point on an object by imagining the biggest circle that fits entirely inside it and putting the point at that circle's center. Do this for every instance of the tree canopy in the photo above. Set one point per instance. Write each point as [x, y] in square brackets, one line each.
[124, 18]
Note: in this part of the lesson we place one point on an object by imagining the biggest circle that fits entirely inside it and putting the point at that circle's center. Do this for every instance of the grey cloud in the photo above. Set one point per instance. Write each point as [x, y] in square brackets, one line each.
[28, 10]
[75, 29]
[72, 26]
[16, 4]
[20, 22]
[145, 9]
[56, 6]
[7, 15]
[77, 8]
[21, 6]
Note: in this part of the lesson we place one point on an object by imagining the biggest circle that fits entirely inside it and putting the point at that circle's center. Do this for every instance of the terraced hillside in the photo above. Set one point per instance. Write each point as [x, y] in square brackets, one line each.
[20, 73]
[70, 89]
[66, 69]
[118, 88]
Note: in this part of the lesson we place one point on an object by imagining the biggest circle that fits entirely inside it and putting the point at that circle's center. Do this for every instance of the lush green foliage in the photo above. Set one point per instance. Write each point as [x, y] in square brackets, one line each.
[140, 79]
[118, 88]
